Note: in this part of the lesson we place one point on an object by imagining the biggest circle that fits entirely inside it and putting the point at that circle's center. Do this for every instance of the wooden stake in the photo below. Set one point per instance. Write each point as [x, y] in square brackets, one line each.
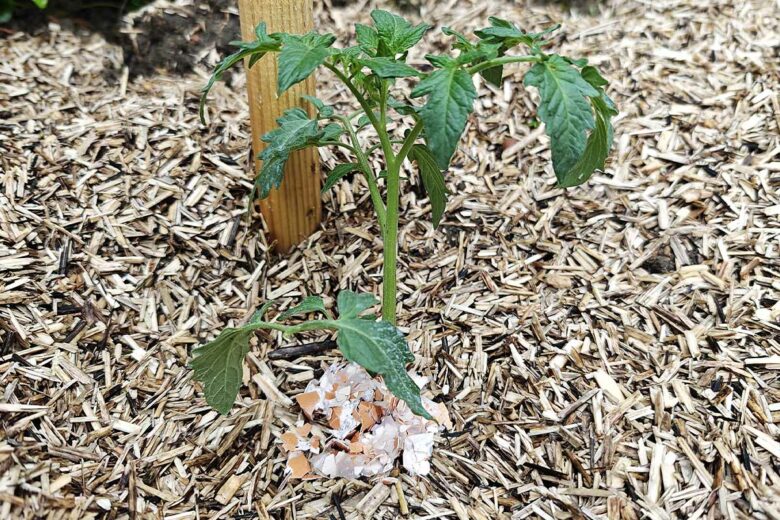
[293, 211]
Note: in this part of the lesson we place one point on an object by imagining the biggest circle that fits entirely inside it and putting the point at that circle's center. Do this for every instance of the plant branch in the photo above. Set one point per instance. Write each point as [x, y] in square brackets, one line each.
[342, 145]
[409, 142]
[504, 60]
[381, 131]
[293, 329]
[365, 166]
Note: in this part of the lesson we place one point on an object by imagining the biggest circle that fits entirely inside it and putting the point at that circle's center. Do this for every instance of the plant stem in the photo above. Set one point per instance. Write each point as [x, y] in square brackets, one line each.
[339, 143]
[409, 141]
[381, 131]
[373, 187]
[294, 329]
[390, 238]
[504, 60]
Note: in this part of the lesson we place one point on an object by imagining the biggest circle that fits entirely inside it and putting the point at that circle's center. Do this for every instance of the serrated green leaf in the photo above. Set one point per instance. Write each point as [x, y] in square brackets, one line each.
[450, 97]
[296, 131]
[389, 68]
[592, 76]
[474, 54]
[600, 139]
[596, 149]
[218, 365]
[253, 49]
[395, 35]
[462, 42]
[308, 305]
[323, 110]
[380, 348]
[509, 35]
[402, 108]
[300, 56]
[362, 121]
[329, 132]
[433, 180]
[565, 110]
[338, 173]
[351, 304]
[367, 38]
[403, 387]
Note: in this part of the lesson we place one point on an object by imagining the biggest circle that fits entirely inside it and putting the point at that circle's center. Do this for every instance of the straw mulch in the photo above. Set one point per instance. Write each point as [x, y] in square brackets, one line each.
[612, 351]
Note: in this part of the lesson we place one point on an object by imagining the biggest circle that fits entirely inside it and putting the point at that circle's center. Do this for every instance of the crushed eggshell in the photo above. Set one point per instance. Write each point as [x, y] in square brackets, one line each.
[298, 464]
[369, 428]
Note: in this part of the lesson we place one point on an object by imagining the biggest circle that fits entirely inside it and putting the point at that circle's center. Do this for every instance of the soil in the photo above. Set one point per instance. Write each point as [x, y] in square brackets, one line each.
[174, 40]
[169, 39]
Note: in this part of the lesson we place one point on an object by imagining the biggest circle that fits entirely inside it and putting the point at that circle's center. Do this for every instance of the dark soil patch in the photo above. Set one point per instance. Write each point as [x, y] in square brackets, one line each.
[174, 39]
[170, 39]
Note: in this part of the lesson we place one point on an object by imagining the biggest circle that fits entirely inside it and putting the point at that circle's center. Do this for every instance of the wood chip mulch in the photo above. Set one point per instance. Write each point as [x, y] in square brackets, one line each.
[612, 351]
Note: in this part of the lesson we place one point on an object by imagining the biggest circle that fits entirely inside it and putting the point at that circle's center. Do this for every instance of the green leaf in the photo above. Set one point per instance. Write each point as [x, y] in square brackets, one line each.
[509, 35]
[592, 76]
[433, 180]
[308, 305]
[329, 132]
[403, 387]
[600, 139]
[41, 3]
[367, 38]
[389, 68]
[351, 304]
[218, 365]
[323, 111]
[258, 315]
[380, 348]
[474, 54]
[296, 131]
[253, 49]
[566, 112]
[395, 35]
[300, 56]
[338, 173]
[450, 100]
[402, 108]
[596, 149]
[505, 35]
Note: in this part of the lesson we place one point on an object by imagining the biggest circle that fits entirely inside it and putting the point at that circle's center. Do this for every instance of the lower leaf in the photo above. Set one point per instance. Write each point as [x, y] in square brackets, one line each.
[379, 347]
[219, 365]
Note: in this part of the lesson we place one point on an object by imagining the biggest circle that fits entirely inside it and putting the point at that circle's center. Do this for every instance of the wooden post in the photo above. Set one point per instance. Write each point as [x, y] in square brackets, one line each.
[293, 211]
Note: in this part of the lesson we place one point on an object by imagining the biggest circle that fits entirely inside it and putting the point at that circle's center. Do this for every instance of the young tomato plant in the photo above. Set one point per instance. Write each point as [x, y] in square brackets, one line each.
[573, 105]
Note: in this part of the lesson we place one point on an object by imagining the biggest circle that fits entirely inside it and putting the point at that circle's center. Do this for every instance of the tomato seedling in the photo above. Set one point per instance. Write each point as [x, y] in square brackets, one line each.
[573, 106]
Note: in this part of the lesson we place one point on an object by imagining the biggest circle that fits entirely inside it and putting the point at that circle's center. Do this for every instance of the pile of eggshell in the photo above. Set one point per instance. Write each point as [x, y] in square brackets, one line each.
[354, 427]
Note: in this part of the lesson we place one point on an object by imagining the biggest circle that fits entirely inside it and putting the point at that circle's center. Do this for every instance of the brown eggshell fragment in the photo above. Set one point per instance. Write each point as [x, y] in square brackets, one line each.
[308, 402]
[289, 441]
[335, 418]
[298, 465]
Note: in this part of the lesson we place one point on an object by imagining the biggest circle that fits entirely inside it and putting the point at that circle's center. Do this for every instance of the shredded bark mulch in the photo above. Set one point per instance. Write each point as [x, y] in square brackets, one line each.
[610, 351]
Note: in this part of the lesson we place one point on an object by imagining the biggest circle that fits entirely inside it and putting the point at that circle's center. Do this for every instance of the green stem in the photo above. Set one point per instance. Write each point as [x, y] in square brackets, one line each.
[342, 145]
[295, 329]
[381, 131]
[373, 187]
[504, 60]
[409, 141]
[390, 238]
